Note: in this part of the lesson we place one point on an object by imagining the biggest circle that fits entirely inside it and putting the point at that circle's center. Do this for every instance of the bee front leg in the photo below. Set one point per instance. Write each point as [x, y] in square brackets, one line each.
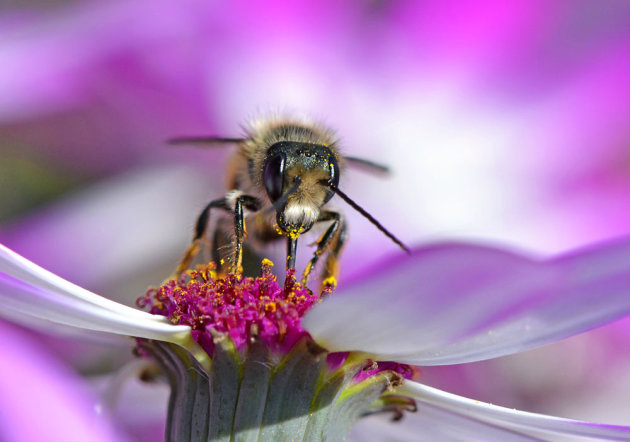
[250, 203]
[331, 241]
[200, 232]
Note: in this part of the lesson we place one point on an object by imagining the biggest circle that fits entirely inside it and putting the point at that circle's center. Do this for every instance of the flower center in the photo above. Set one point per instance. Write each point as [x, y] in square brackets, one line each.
[245, 309]
[266, 374]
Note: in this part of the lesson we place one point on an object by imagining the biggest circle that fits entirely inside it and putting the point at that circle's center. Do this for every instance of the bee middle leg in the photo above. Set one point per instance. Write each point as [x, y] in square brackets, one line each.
[199, 235]
[331, 241]
[222, 245]
[249, 202]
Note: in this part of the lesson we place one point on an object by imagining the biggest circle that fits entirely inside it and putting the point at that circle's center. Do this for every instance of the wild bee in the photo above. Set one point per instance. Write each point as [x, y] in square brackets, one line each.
[279, 180]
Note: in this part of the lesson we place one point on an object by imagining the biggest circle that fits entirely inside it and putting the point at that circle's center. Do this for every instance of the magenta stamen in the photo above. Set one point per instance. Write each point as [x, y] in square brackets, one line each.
[242, 308]
[246, 309]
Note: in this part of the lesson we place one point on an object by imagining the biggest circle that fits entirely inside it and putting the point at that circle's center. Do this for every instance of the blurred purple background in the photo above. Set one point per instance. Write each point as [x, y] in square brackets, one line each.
[503, 121]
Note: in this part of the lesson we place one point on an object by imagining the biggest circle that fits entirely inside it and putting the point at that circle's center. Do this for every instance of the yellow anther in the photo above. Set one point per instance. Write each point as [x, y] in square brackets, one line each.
[267, 262]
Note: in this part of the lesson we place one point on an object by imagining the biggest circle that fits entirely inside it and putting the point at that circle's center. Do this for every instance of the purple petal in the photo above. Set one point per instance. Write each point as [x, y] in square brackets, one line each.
[138, 406]
[521, 421]
[40, 399]
[456, 303]
[76, 42]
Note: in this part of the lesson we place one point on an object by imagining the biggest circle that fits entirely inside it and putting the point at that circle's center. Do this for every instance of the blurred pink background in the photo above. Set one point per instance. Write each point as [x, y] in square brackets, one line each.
[503, 121]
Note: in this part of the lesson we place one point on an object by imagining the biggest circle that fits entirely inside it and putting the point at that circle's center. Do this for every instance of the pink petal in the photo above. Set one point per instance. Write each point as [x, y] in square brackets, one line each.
[41, 400]
[456, 303]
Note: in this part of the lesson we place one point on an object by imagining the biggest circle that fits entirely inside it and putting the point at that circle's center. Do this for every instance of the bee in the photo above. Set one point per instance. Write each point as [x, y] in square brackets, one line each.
[279, 180]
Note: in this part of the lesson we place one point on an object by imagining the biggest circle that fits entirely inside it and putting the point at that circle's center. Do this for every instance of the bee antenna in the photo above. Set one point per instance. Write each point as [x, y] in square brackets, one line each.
[204, 141]
[369, 217]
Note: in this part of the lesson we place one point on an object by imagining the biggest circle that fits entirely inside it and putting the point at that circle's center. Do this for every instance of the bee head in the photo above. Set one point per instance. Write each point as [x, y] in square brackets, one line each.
[293, 173]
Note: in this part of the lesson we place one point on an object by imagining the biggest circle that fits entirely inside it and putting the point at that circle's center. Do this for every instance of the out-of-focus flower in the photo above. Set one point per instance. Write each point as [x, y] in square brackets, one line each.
[41, 399]
[447, 93]
[502, 121]
[444, 304]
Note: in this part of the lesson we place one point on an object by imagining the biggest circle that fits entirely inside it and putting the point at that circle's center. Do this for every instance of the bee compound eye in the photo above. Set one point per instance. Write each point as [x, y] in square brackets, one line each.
[273, 176]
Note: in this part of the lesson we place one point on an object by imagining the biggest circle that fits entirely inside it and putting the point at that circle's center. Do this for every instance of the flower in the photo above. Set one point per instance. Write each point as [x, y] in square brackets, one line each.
[451, 93]
[447, 303]
[41, 398]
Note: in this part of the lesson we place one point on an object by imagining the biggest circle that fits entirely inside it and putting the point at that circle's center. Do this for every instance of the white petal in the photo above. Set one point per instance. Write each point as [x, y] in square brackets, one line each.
[430, 424]
[520, 421]
[455, 303]
[21, 268]
[41, 399]
[56, 329]
[21, 299]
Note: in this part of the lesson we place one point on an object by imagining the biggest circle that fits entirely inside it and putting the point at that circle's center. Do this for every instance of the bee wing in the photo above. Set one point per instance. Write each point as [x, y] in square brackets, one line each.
[367, 166]
[204, 141]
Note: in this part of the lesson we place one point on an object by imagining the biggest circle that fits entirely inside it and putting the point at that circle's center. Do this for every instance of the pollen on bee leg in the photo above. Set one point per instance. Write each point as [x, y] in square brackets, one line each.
[331, 281]
[307, 271]
[328, 286]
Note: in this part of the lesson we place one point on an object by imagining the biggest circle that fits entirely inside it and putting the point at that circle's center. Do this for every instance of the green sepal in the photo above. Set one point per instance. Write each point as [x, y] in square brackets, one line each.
[355, 399]
[190, 396]
[253, 393]
[330, 388]
[291, 391]
[224, 388]
[257, 396]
